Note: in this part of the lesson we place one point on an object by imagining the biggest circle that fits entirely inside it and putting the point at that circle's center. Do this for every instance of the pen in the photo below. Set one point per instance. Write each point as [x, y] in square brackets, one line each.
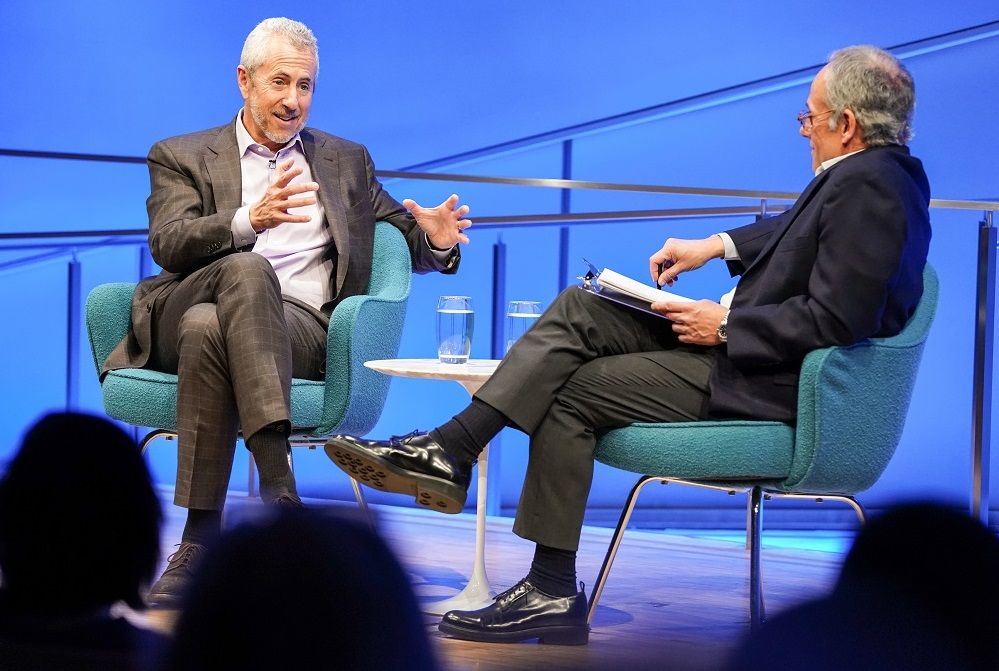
[662, 267]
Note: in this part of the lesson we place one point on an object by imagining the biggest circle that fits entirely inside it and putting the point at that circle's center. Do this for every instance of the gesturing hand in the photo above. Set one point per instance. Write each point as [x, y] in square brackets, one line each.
[442, 224]
[272, 208]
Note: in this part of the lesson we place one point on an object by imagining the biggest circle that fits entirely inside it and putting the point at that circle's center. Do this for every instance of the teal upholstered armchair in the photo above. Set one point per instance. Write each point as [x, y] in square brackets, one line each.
[852, 406]
[349, 400]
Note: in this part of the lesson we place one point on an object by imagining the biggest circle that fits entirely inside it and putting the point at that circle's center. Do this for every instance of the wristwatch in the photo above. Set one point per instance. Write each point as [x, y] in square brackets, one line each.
[723, 329]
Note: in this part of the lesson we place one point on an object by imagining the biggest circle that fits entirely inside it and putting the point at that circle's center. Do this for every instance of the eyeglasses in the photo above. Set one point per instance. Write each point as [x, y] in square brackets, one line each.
[806, 118]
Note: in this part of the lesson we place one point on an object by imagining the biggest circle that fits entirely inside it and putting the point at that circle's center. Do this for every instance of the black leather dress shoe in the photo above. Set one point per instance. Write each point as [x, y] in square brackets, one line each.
[168, 591]
[522, 612]
[413, 464]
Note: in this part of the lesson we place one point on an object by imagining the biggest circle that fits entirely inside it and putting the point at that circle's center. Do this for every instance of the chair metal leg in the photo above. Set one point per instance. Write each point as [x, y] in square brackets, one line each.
[622, 524]
[756, 608]
[363, 504]
[153, 435]
[251, 476]
[819, 498]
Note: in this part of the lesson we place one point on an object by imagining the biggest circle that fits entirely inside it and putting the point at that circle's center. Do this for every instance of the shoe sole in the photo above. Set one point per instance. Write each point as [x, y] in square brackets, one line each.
[554, 635]
[430, 492]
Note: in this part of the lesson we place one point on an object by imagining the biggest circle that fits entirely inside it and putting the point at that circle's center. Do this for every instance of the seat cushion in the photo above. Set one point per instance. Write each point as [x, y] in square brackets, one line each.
[141, 397]
[149, 398]
[714, 451]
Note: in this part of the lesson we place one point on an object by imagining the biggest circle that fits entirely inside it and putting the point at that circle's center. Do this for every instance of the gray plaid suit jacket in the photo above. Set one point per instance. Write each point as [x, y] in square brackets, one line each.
[196, 188]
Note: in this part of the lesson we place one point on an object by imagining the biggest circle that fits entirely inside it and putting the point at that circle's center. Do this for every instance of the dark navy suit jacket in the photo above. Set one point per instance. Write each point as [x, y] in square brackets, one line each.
[844, 263]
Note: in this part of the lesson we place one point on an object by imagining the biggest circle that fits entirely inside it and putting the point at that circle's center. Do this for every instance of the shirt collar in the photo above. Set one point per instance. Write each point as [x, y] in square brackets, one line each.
[247, 143]
[825, 165]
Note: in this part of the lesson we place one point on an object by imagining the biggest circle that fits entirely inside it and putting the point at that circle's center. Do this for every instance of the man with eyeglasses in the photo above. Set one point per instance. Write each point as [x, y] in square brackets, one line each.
[262, 226]
[843, 263]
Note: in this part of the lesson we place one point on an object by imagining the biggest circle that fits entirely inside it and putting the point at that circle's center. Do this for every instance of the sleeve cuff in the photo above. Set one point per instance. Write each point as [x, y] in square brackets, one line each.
[242, 232]
[440, 254]
[731, 253]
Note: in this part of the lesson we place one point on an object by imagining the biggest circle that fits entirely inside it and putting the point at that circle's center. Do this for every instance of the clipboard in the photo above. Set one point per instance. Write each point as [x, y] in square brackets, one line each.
[614, 286]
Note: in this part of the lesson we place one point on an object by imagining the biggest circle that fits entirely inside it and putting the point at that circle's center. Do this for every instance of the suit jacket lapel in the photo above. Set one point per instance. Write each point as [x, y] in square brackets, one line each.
[325, 165]
[222, 162]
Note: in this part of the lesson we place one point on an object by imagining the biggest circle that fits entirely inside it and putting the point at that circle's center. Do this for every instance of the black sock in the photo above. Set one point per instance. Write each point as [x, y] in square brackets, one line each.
[272, 455]
[554, 571]
[469, 431]
[202, 526]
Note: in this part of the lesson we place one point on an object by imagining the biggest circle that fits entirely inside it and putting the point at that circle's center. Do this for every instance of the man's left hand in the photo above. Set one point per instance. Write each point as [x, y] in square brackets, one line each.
[694, 322]
[442, 224]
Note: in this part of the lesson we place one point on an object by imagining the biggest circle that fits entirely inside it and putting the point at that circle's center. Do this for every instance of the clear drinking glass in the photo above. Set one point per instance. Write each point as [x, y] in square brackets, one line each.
[455, 324]
[520, 315]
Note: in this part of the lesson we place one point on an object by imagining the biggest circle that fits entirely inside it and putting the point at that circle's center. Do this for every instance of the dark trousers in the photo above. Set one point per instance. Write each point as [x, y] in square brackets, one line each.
[235, 346]
[588, 365]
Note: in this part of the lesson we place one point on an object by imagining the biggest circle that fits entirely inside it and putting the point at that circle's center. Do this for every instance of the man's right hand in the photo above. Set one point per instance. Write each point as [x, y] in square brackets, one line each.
[678, 256]
[272, 208]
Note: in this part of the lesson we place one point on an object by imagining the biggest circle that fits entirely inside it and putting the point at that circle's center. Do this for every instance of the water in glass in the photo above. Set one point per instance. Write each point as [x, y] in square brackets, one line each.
[455, 324]
[520, 315]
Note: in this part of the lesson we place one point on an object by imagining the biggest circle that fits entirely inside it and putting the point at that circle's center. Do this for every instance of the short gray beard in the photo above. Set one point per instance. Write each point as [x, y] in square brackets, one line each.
[261, 119]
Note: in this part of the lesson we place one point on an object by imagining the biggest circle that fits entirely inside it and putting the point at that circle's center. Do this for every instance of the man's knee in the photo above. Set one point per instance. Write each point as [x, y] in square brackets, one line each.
[200, 321]
[250, 270]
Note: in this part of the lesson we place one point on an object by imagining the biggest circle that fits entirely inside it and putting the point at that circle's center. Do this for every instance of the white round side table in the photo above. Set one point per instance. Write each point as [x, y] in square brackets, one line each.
[477, 593]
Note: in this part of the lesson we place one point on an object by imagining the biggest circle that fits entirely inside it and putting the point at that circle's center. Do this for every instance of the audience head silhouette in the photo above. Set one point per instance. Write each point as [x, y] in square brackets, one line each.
[919, 589]
[938, 564]
[79, 533]
[292, 587]
[79, 517]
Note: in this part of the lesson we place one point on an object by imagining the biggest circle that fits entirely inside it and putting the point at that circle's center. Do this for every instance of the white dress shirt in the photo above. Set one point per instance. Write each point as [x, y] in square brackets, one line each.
[294, 249]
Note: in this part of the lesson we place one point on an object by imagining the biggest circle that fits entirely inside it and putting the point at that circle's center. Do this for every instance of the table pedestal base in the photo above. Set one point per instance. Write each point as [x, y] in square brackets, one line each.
[477, 593]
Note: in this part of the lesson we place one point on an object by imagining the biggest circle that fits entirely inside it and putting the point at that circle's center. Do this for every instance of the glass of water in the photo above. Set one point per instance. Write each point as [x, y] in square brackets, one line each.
[455, 324]
[519, 317]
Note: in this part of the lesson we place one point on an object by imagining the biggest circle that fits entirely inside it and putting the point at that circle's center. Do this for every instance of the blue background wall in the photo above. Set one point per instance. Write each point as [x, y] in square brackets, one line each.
[427, 86]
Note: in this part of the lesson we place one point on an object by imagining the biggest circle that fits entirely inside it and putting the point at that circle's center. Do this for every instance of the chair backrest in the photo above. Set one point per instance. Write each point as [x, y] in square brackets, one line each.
[853, 402]
[364, 328]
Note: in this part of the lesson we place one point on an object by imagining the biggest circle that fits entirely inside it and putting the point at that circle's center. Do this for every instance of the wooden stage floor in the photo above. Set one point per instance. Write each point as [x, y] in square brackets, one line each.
[674, 600]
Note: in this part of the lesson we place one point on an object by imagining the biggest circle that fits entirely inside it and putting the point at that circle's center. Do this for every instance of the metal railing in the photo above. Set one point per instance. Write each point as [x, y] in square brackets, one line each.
[43, 247]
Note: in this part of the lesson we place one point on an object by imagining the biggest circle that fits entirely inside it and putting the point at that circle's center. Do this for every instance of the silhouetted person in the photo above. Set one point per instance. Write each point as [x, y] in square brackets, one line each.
[919, 590]
[79, 532]
[296, 589]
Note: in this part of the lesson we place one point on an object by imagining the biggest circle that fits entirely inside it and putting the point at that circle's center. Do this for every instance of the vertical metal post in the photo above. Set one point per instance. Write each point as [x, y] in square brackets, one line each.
[497, 348]
[981, 422]
[73, 325]
[565, 208]
[498, 298]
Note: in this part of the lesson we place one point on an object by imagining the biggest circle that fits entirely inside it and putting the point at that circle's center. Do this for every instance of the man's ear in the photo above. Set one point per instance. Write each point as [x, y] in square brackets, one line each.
[850, 131]
[243, 80]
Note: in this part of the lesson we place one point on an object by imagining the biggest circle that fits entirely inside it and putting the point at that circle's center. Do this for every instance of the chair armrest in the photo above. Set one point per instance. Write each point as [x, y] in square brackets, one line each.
[108, 315]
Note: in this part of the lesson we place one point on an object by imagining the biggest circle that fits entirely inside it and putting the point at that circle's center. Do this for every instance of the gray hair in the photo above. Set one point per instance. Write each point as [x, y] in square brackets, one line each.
[877, 88]
[258, 41]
